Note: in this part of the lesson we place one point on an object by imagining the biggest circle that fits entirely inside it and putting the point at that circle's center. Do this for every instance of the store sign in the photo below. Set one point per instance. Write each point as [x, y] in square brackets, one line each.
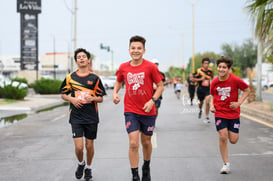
[29, 6]
[29, 41]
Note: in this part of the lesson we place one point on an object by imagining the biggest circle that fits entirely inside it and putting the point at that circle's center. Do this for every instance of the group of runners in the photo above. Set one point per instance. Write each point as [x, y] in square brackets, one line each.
[144, 88]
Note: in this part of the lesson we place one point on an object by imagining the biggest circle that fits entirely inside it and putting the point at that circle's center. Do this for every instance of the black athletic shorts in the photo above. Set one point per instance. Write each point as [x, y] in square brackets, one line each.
[232, 125]
[143, 123]
[202, 92]
[89, 131]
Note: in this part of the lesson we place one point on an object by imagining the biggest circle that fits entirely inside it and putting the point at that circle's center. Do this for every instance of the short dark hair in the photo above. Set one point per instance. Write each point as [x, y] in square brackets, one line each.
[81, 50]
[205, 59]
[225, 60]
[138, 38]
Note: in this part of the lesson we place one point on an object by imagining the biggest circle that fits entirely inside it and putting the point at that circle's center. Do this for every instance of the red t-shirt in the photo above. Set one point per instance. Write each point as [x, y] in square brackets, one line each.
[139, 85]
[225, 92]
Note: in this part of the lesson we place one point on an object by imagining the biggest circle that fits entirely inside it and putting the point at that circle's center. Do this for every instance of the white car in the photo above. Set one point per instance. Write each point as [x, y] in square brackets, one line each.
[108, 82]
[254, 83]
[6, 81]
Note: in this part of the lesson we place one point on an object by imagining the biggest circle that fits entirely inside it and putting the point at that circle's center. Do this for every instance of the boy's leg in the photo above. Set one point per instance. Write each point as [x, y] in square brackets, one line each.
[78, 142]
[89, 145]
[133, 148]
[146, 146]
[233, 137]
[223, 137]
[207, 100]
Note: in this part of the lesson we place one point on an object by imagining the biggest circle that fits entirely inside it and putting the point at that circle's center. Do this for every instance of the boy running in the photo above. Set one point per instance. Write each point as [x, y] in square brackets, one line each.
[226, 107]
[139, 109]
[86, 91]
[203, 77]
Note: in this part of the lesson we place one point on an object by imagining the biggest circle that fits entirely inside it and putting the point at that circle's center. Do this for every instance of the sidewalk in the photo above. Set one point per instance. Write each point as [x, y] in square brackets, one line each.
[30, 104]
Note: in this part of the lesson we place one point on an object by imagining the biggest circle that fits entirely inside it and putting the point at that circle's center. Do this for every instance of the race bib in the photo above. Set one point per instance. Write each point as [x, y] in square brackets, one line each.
[81, 95]
[205, 83]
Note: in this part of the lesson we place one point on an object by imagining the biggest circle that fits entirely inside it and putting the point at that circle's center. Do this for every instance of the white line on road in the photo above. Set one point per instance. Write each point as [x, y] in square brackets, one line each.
[59, 117]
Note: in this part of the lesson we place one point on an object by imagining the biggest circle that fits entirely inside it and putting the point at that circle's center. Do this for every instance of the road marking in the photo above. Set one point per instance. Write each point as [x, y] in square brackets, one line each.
[253, 154]
[154, 140]
[257, 120]
[59, 117]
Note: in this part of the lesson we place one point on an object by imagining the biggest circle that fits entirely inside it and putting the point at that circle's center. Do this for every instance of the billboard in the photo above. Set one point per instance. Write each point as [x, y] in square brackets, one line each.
[29, 6]
[29, 10]
[29, 41]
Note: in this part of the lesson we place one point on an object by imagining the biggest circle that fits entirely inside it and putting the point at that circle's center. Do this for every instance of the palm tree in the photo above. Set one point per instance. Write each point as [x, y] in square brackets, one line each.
[261, 11]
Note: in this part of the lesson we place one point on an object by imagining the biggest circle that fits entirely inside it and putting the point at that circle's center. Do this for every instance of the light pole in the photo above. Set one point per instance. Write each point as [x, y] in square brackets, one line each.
[193, 13]
[54, 58]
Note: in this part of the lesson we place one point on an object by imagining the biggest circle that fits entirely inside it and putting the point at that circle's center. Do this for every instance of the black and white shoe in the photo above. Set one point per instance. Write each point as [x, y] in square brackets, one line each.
[79, 171]
[87, 174]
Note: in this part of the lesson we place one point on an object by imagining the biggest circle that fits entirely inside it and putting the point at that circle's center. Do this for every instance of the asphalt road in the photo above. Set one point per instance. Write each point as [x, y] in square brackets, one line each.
[40, 147]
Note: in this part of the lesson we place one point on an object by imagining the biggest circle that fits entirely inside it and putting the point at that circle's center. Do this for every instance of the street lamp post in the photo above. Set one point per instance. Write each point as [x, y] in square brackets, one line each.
[193, 13]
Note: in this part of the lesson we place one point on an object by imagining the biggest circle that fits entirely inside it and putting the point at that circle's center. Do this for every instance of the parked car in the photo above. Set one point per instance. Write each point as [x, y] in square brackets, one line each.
[6, 81]
[108, 82]
[264, 83]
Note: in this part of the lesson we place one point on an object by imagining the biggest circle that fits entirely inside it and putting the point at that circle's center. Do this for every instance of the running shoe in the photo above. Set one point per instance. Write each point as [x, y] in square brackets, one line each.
[200, 114]
[146, 176]
[225, 169]
[136, 178]
[79, 171]
[87, 174]
[206, 121]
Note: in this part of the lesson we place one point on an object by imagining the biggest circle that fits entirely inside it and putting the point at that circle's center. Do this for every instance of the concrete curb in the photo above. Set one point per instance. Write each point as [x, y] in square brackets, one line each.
[266, 116]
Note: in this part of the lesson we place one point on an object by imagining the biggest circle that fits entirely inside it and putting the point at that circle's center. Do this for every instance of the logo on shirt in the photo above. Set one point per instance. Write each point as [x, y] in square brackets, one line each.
[90, 82]
[136, 79]
[223, 92]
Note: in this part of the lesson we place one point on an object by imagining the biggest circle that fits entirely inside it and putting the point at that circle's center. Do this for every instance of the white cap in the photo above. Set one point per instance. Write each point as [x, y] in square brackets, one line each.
[155, 61]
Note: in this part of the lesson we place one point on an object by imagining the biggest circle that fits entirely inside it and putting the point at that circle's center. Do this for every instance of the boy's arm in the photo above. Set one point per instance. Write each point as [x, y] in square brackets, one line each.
[159, 90]
[76, 102]
[235, 105]
[212, 108]
[117, 87]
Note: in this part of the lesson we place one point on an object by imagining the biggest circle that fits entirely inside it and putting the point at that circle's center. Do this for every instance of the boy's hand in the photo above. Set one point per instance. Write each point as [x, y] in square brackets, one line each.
[148, 106]
[234, 105]
[88, 98]
[116, 98]
[212, 109]
[76, 102]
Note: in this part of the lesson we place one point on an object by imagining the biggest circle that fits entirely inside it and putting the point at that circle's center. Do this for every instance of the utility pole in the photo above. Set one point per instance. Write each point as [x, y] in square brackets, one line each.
[75, 32]
[193, 45]
[259, 71]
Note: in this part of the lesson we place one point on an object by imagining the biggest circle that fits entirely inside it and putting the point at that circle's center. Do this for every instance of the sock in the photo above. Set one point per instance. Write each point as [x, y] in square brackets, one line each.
[88, 166]
[146, 164]
[227, 164]
[134, 171]
[81, 163]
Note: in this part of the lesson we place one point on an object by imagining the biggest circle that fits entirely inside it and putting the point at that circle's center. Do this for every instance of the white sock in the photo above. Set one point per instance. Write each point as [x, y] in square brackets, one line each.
[227, 164]
[88, 166]
[81, 163]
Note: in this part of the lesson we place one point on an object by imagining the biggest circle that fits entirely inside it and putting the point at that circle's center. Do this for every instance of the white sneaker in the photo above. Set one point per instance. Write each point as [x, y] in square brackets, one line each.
[225, 169]
[206, 120]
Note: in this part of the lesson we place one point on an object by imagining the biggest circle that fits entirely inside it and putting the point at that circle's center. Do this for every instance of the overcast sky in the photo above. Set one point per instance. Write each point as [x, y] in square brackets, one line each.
[166, 25]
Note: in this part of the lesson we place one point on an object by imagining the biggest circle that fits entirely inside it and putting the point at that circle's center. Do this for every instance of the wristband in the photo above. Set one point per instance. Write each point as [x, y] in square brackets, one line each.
[154, 99]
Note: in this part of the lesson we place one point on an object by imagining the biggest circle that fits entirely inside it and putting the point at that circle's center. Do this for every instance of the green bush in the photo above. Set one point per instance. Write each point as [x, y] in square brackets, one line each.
[11, 92]
[21, 80]
[46, 86]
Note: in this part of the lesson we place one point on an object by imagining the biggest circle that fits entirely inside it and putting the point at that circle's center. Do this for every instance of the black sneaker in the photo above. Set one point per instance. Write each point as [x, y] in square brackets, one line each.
[136, 178]
[200, 114]
[79, 171]
[146, 176]
[87, 174]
